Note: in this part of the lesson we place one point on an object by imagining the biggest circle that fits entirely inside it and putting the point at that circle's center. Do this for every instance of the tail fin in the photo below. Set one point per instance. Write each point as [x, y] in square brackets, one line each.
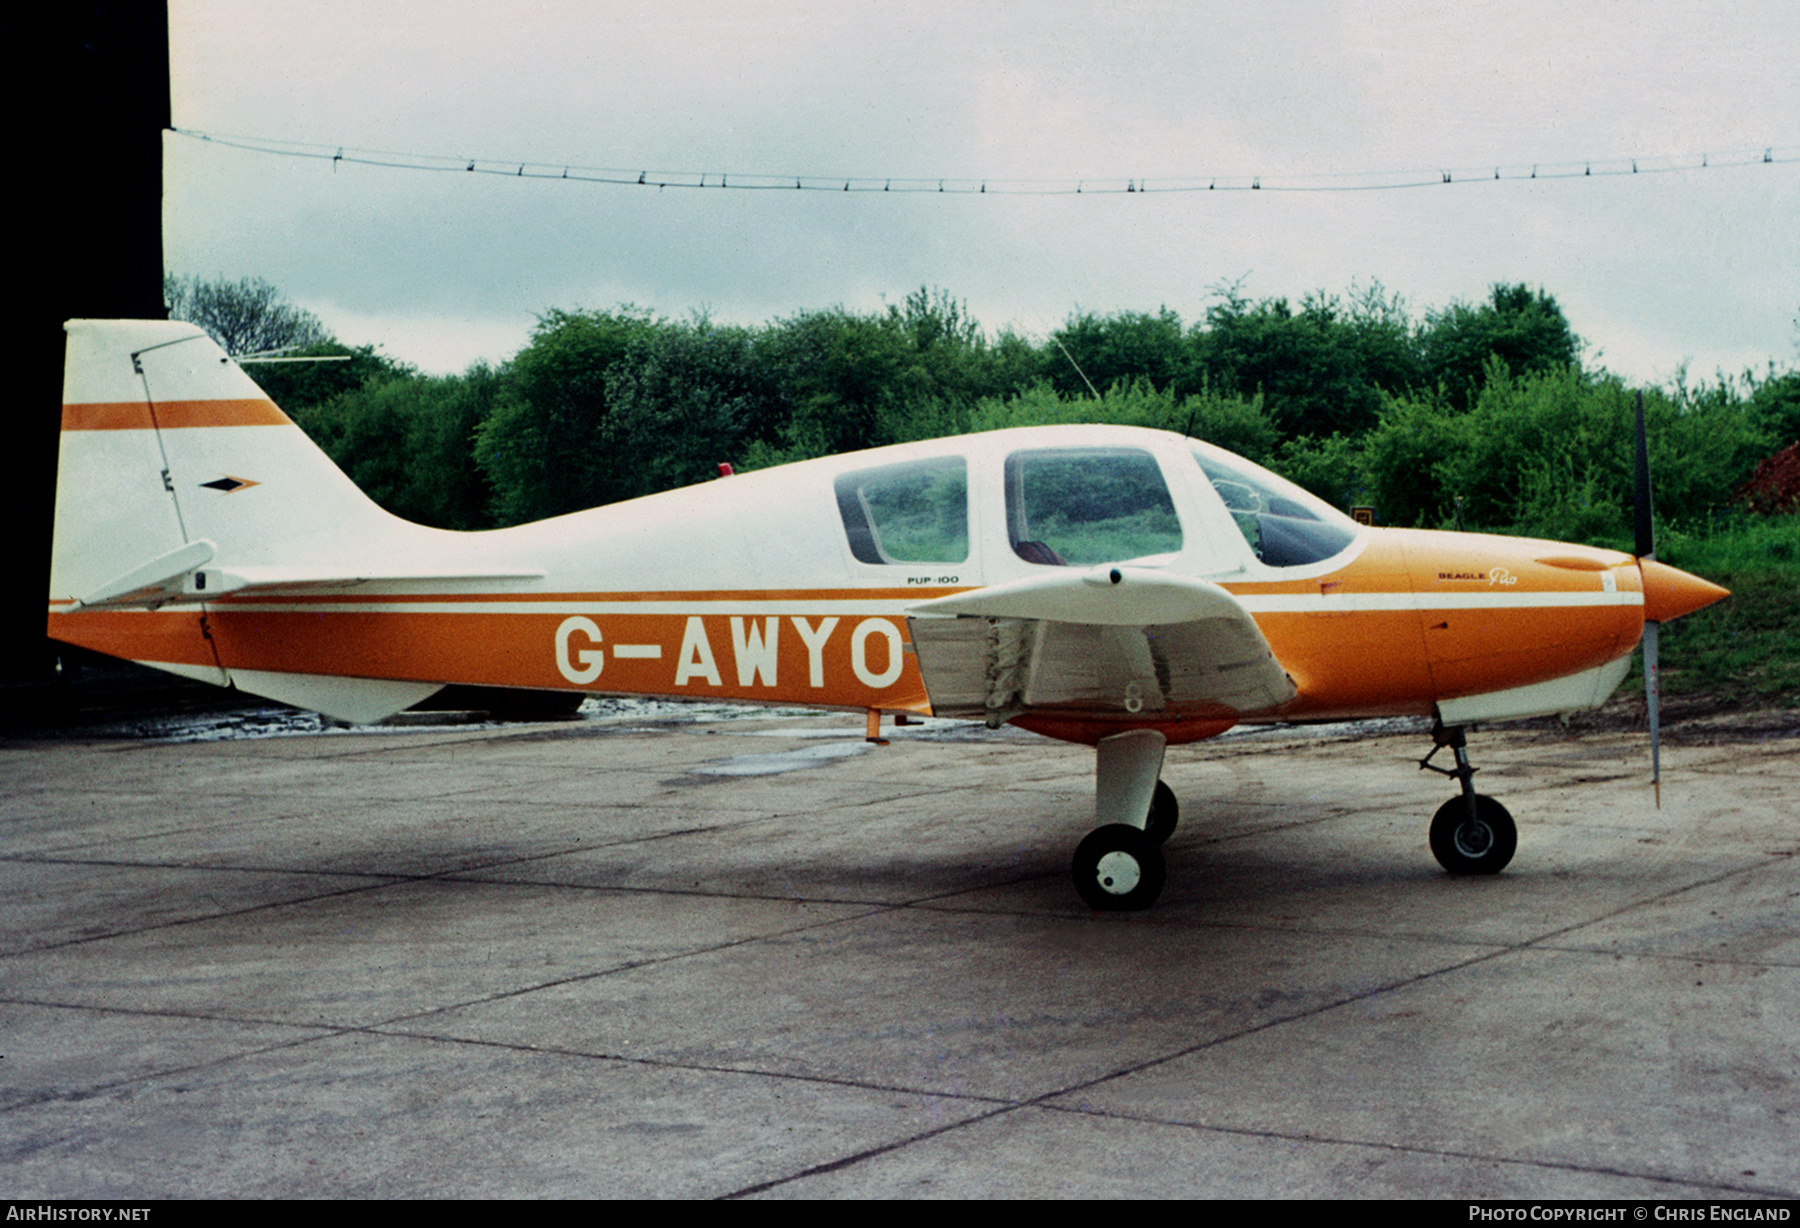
[158, 475]
[180, 481]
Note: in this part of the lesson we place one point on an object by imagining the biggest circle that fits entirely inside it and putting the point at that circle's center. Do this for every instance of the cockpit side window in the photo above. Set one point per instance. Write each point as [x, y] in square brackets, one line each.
[1081, 506]
[915, 512]
[1285, 526]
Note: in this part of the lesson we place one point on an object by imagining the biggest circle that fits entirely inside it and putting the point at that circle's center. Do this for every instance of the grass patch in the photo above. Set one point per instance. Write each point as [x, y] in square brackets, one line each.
[1744, 651]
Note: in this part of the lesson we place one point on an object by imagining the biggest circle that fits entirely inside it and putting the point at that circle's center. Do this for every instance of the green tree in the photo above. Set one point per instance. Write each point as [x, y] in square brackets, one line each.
[680, 400]
[544, 448]
[409, 443]
[1401, 457]
[844, 374]
[1378, 327]
[851, 381]
[933, 321]
[1322, 369]
[1775, 405]
[1238, 424]
[1524, 328]
[1120, 348]
[1331, 468]
[1549, 454]
[248, 316]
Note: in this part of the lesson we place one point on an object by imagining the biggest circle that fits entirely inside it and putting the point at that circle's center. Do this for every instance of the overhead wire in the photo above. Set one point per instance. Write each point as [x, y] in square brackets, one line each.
[1354, 181]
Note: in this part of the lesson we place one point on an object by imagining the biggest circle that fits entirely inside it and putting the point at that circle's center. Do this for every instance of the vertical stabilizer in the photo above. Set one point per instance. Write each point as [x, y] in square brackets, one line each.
[167, 443]
[175, 475]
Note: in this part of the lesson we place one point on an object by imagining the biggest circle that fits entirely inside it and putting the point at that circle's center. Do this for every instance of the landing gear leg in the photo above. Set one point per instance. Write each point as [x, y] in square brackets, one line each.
[1471, 834]
[1119, 867]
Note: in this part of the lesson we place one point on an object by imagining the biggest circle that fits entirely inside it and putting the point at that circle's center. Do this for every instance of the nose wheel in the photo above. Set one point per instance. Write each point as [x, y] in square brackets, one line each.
[1478, 843]
[1471, 833]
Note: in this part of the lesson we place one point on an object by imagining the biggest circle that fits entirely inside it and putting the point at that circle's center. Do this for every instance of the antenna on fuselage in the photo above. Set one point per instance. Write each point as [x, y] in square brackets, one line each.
[1077, 366]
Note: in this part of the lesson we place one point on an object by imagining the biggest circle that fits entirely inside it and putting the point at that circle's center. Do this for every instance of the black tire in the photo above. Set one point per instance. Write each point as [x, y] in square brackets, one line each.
[1483, 846]
[1118, 869]
[1165, 812]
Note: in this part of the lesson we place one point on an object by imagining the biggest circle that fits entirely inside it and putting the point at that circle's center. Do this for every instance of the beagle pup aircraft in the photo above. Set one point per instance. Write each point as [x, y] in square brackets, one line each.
[1112, 586]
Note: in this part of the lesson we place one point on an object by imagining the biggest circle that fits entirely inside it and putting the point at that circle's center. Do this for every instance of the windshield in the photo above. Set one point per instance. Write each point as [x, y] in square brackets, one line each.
[1285, 526]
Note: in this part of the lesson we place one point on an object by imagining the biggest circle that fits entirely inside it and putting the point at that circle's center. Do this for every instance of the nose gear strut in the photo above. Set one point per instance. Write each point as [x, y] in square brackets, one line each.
[1471, 834]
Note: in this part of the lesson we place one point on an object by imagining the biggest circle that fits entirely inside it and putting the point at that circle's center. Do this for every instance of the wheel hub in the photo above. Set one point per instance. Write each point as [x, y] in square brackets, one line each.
[1473, 840]
[1118, 873]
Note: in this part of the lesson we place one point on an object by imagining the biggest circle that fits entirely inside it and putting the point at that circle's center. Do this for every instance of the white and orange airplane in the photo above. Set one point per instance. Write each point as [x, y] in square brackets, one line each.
[1112, 586]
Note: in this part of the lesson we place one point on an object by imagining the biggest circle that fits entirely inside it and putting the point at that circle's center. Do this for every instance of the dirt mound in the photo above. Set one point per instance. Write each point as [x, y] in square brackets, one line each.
[1775, 486]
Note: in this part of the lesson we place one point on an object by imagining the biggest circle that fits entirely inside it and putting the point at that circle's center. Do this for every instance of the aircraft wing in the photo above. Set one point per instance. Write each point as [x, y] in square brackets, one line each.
[1107, 642]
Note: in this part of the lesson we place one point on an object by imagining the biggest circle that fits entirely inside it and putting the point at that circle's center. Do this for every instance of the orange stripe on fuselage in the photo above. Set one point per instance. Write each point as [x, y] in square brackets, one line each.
[1361, 662]
[1476, 651]
[1367, 662]
[762, 658]
[169, 637]
[672, 596]
[169, 415]
[711, 656]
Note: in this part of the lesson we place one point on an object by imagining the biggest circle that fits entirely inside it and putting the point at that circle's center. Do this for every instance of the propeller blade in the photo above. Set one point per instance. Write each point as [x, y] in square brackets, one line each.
[1652, 691]
[1646, 553]
[1646, 530]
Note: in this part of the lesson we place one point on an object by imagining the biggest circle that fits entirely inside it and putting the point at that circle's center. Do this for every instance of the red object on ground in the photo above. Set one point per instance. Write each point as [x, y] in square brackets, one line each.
[1775, 486]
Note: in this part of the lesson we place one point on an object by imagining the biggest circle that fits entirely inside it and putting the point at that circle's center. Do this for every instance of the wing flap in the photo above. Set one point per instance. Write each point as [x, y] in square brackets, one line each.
[1111, 642]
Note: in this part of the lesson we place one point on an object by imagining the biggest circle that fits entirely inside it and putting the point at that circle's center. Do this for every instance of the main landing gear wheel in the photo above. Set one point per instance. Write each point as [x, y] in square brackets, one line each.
[1165, 812]
[1481, 845]
[1119, 868]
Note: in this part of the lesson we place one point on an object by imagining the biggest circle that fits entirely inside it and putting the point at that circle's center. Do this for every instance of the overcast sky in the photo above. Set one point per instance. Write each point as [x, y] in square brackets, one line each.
[444, 268]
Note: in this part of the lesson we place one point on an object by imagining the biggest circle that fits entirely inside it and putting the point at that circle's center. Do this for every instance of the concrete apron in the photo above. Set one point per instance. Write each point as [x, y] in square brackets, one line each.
[761, 957]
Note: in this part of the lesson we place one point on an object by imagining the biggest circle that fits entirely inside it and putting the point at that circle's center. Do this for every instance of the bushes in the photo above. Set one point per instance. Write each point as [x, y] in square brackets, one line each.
[1549, 455]
[1477, 415]
[407, 442]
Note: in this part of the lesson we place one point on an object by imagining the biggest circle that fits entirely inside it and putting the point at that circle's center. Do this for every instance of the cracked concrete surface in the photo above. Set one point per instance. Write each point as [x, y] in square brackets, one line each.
[612, 960]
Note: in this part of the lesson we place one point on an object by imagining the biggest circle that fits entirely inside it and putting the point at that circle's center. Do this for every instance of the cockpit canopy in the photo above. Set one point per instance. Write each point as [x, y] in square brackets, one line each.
[1111, 496]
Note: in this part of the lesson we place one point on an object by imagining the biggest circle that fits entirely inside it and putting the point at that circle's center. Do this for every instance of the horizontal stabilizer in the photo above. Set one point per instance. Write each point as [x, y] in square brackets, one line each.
[217, 582]
[181, 576]
[154, 583]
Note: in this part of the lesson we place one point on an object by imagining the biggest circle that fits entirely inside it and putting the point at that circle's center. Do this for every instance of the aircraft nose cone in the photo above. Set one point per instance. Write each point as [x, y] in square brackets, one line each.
[1670, 593]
